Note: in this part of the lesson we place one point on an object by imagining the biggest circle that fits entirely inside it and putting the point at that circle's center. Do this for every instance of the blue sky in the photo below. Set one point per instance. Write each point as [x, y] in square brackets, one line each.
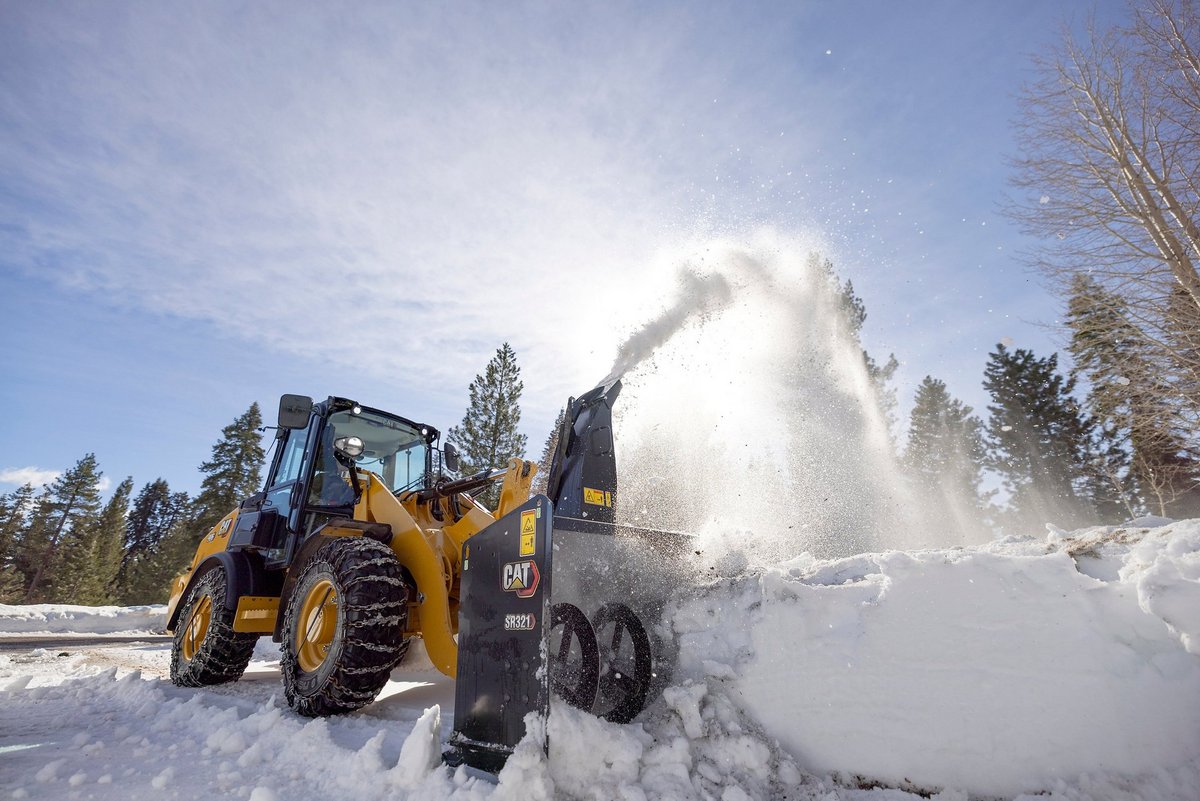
[208, 204]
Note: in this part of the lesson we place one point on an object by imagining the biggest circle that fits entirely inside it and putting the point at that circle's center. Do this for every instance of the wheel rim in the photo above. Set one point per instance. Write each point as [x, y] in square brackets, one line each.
[318, 625]
[197, 627]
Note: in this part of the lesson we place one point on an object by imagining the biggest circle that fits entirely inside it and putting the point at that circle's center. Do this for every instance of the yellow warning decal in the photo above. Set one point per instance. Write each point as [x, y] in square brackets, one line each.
[528, 532]
[596, 497]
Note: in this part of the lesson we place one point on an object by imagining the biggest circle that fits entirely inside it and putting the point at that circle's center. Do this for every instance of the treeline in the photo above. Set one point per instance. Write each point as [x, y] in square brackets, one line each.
[1046, 451]
[1108, 180]
[64, 545]
[1076, 446]
[1056, 459]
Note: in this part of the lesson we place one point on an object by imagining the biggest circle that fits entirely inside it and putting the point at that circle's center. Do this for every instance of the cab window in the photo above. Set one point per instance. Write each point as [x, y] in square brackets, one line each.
[291, 459]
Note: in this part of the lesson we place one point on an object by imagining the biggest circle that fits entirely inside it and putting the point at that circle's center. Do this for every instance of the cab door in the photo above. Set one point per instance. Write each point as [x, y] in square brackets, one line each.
[268, 517]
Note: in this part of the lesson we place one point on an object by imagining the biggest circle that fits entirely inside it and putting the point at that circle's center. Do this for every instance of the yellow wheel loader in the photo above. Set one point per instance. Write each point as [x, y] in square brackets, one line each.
[359, 543]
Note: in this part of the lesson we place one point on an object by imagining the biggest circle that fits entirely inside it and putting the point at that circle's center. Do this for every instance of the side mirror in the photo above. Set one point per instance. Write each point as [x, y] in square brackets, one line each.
[294, 411]
[450, 457]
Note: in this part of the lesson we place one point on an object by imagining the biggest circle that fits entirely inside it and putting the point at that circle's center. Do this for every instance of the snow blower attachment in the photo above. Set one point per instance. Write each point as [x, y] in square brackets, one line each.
[358, 544]
[558, 601]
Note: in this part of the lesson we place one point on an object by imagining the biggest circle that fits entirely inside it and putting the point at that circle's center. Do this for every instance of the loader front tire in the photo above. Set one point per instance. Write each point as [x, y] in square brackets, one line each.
[343, 627]
[206, 650]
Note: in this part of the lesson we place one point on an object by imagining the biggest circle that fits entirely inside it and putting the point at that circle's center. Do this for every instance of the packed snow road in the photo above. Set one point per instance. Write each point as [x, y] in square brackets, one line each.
[1064, 667]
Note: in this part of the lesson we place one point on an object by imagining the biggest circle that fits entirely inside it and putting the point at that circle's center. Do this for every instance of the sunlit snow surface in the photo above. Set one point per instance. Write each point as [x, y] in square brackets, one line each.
[1067, 666]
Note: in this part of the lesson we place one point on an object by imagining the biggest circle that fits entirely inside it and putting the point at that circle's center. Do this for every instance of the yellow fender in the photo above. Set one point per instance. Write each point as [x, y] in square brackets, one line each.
[432, 549]
[216, 540]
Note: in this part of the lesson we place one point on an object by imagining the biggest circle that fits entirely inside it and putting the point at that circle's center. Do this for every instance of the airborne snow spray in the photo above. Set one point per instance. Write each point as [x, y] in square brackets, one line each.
[748, 417]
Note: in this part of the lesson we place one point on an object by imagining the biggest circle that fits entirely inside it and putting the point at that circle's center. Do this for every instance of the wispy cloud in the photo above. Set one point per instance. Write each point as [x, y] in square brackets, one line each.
[398, 187]
[403, 186]
[37, 476]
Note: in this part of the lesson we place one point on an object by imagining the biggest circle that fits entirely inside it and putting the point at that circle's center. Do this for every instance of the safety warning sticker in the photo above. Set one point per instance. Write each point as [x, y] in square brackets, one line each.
[597, 497]
[528, 532]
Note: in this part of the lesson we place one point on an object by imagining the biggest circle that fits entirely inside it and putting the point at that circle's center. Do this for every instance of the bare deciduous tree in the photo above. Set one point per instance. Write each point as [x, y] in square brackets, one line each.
[1110, 174]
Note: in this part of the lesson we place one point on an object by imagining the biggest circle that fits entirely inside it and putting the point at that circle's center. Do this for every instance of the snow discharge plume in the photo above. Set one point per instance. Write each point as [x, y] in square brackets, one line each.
[748, 417]
[699, 296]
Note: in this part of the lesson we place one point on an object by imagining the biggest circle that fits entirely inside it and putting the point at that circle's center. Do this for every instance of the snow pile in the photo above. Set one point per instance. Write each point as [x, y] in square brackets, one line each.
[61, 618]
[694, 743]
[997, 670]
[1056, 667]
[1168, 582]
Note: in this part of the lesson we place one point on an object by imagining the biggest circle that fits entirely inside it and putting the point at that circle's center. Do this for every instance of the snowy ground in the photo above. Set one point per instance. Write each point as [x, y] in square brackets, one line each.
[1063, 668]
[66, 619]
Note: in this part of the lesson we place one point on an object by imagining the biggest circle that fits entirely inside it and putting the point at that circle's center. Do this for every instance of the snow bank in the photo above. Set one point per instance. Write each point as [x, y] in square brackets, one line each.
[997, 670]
[62, 619]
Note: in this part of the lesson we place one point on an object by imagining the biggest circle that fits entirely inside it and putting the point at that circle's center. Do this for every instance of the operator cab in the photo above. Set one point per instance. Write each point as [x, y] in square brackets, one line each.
[395, 449]
[310, 482]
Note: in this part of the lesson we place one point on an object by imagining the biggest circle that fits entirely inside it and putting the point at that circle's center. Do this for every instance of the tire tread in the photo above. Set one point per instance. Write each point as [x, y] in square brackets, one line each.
[373, 601]
[224, 654]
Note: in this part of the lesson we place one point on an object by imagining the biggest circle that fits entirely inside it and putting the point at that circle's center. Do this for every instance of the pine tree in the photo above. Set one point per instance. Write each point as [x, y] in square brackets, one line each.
[70, 504]
[945, 443]
[92, 555]
[148, 579]
[1037, 440]
[232, 474]
[156, 511]
[1107, 481]
[944, 457]
[488, 436]
[1147, 427]
[15, 510]
[855, 313]
[547, 459]
[1183, 334]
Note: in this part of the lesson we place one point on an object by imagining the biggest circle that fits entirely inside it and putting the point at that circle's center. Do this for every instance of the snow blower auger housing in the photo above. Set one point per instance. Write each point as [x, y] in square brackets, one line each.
[359, 543]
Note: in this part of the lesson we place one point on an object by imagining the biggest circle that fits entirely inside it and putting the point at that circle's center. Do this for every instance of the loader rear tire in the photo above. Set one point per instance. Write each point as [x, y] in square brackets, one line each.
[206, 650]
[343, 627]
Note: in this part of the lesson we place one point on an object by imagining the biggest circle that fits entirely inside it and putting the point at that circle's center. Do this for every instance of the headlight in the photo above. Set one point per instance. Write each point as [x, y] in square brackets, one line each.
[348, 446]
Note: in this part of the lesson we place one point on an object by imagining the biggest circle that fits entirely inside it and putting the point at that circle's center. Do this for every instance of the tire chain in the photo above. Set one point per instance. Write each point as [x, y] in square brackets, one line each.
[224, 654]
[367, 573]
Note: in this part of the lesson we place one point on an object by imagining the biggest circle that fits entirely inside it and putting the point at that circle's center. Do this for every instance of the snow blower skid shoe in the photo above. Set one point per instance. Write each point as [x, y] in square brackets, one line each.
[561, 604]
